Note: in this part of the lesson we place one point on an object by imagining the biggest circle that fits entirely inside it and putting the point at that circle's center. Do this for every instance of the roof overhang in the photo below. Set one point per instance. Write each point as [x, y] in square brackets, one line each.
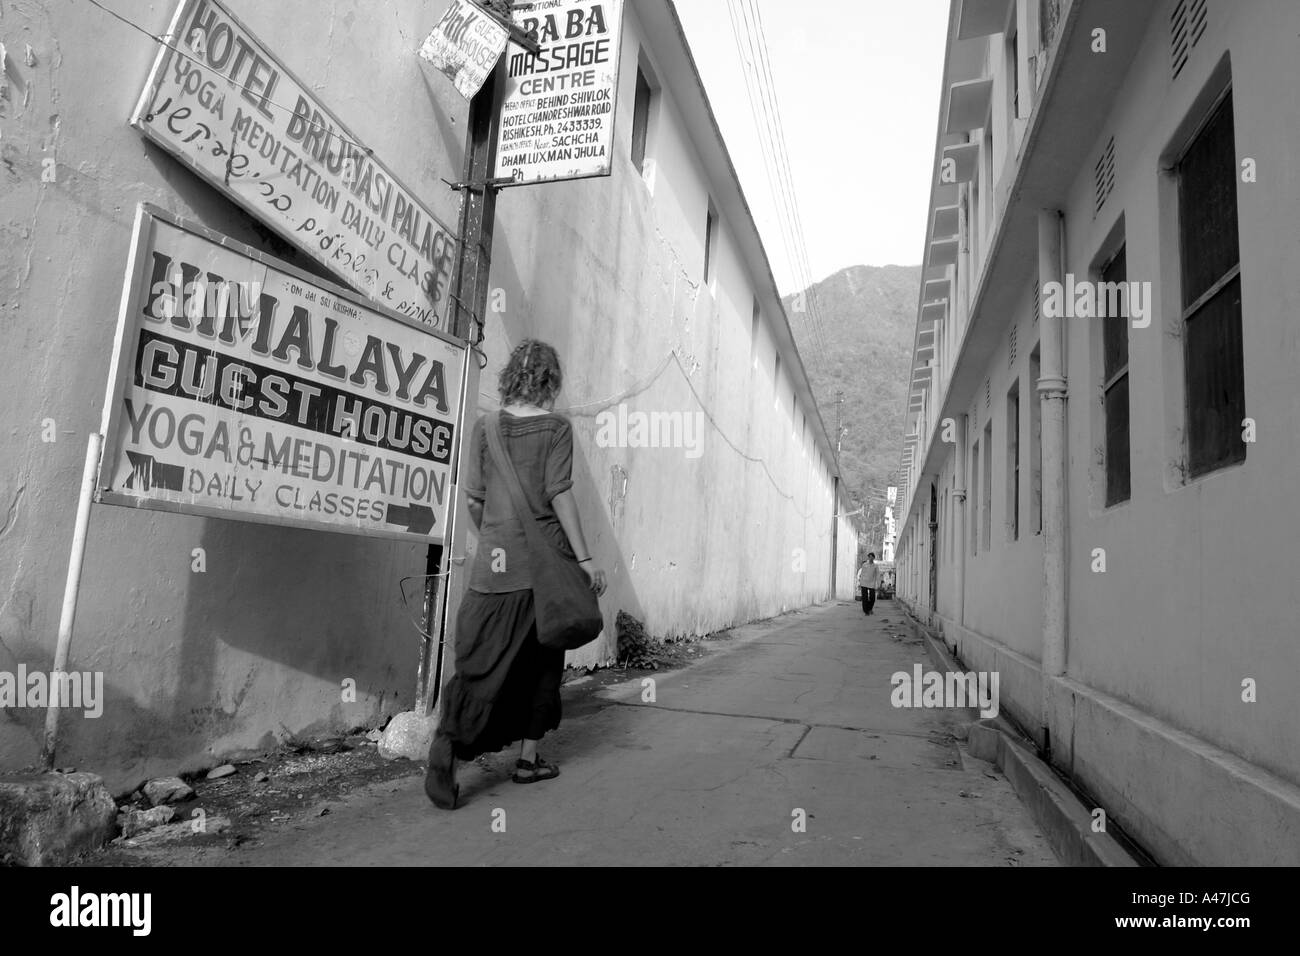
[945, 222]
[959, 162]
[943, 252]
[981, 18]
[933, 312]
[968, 105]
[936, 289]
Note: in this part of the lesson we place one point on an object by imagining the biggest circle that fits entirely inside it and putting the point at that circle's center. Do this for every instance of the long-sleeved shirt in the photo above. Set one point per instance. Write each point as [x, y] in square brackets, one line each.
[869, 576]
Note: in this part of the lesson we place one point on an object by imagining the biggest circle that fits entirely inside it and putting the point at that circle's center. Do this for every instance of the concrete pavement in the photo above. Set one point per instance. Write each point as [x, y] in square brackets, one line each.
[789, 723]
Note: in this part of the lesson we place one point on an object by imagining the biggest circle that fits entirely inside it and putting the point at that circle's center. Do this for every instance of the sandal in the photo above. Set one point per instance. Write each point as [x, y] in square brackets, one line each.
[440, 779]
[540, 770]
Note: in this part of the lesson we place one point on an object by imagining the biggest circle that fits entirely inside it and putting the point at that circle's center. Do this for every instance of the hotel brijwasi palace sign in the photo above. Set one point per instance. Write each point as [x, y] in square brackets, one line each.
[221, 102]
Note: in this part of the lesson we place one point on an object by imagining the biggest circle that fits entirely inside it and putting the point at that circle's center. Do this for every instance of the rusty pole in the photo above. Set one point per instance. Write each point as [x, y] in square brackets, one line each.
[469, 296]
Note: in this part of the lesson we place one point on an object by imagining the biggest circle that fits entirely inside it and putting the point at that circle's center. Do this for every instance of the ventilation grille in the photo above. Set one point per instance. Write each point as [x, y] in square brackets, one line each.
[1036, 305]
[988, 396]
[1200, 9]
[1186, 26]
[1011, 352]
[1104, 176]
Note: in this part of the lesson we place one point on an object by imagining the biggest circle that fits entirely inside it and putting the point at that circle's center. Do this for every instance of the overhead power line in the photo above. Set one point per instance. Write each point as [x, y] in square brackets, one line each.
[760, 88]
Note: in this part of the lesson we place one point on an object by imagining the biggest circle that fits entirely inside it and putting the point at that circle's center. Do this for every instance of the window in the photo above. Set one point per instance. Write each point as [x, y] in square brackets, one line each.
[1207, 225]
[710, 243]
[986, 505]
[974, 498]
[1114, 399]
[1013, 49]
[1013, 462]
[753, 334]
[945, 527]
[952, 531]
[1036, 440]
[988, 211]
[640, 120]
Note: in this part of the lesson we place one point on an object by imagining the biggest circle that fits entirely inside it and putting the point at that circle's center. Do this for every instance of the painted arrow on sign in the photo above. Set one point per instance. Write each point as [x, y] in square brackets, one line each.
[148, 473]
[417, 518]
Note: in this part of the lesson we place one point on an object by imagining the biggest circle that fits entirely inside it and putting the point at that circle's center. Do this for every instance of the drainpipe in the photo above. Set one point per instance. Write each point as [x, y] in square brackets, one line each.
[959, 498]
[1052, 394]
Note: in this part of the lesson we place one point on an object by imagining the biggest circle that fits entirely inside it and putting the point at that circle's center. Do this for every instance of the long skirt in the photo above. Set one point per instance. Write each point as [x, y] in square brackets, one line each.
[507, 685]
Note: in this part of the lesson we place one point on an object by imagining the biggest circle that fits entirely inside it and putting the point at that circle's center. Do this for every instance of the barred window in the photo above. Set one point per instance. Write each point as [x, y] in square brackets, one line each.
[640, 120]
[1211, 267]
[1115, 388]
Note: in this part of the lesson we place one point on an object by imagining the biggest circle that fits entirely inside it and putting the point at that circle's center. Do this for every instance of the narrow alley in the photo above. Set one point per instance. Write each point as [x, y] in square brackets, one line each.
[790, 714]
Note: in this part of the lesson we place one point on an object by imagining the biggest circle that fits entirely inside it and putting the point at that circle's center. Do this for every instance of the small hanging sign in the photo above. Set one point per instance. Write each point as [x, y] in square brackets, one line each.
[465, 46]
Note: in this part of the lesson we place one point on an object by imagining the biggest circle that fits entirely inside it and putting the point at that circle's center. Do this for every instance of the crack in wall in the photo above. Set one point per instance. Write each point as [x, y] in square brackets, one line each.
[11, 513]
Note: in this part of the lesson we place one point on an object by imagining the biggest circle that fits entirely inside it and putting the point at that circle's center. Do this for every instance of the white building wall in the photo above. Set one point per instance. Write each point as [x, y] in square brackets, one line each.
[1198, 594]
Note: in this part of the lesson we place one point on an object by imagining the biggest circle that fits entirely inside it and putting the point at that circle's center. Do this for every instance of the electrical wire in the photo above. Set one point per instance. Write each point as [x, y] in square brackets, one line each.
[758, 34]
[786, 206]
[763, 128]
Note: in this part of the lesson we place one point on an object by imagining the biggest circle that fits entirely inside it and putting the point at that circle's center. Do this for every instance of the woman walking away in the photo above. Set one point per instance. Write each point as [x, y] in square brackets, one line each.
[507, 685]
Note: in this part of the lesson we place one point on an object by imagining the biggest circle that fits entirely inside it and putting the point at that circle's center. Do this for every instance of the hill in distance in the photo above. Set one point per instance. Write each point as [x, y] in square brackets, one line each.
[868, 316]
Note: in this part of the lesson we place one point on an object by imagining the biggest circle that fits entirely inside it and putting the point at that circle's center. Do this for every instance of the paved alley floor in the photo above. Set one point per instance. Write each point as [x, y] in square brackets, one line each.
[782, 748]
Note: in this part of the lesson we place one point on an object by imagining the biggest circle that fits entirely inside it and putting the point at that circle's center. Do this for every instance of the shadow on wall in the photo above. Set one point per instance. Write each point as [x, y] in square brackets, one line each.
[259, 645]
[270, 629]
[326, 607]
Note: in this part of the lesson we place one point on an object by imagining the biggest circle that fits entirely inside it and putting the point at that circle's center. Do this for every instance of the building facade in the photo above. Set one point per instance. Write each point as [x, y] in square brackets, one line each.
[652, 283]
[1105, 333]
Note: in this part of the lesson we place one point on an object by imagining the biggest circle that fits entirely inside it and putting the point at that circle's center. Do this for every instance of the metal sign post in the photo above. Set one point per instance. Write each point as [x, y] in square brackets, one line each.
[70, 590]
[469, 296]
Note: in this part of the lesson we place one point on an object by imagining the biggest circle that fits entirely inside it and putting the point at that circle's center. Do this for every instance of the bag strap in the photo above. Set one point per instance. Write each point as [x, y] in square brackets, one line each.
[507, 468]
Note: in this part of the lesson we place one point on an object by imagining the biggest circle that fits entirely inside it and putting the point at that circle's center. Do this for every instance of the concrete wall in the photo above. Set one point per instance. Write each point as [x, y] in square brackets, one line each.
[255, 648]
[1199, 590]
[1198, 593]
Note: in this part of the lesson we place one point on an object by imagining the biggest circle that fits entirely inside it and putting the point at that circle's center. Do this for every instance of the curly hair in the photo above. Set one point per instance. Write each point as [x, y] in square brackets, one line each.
[532, 375]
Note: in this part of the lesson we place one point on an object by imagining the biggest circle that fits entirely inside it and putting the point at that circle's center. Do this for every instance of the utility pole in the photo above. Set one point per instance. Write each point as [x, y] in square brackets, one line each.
[469, 294]
[839, 432]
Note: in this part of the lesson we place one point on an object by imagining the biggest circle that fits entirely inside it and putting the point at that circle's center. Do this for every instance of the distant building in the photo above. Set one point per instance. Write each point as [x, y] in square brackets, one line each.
[891, 536]
[1093, 506]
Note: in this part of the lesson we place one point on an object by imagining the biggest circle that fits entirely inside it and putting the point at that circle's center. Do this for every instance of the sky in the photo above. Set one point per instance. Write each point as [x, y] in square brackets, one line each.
[857, 86]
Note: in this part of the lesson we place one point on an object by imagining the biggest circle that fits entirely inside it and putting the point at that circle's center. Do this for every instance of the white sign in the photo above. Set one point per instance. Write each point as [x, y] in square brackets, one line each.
[557, 115]
[465, 45]
[227, 108]
[243, 388]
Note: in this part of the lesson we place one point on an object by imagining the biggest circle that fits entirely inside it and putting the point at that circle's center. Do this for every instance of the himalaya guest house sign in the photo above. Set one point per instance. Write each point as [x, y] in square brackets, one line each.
[223, 104]
[243, 388]
[557, 112]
